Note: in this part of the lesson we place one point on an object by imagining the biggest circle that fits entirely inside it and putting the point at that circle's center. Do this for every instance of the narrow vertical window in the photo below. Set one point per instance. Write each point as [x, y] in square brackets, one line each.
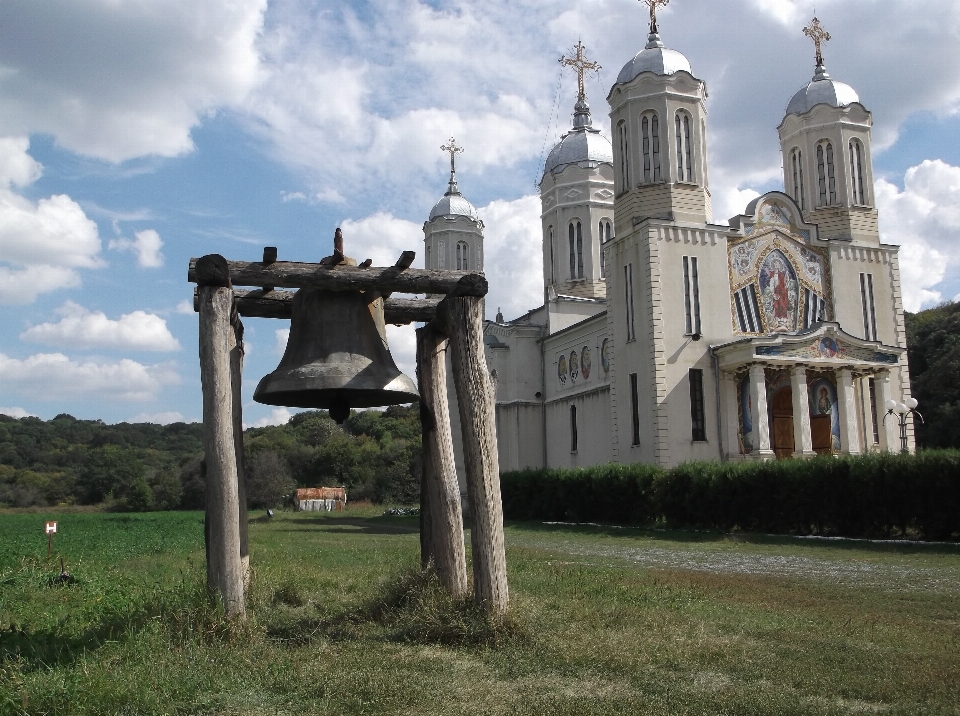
[428, 258]
[628, 296]
[606, 236]
[573, 252]
[645, 130]
[795, 161]
[624, 156]
[803, 188]
[680, 153]
[691, 296]
[689, 147]
[573, 428]
[459, 258]
[697, 413]
[831, 175]
[821, 176]
[655, 132]
[553, 270]
[869, 307]
[443, 256]
[856, 173]
[873, 411]
[603, 267]
[579, 250]
[860, 172]
[635, 409]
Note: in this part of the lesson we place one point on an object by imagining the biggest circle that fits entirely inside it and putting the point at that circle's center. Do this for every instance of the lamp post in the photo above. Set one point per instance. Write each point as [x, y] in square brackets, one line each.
[901, 411]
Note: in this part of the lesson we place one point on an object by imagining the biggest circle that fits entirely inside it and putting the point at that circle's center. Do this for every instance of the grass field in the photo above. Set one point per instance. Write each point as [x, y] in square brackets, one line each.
[602, 621]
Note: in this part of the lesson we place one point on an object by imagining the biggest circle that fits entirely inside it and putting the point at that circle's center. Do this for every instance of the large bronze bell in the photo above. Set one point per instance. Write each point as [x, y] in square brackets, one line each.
[336, 357]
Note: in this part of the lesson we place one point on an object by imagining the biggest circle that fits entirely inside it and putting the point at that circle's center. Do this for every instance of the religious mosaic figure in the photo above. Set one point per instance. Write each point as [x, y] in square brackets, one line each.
[778, 291]
[824, 404]
[585, 362]
[574, 366]
[606, 354]
[562, 370]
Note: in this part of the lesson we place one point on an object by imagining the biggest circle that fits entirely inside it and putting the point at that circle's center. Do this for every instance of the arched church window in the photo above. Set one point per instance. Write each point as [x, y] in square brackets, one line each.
[579, 250]
[650, 131]
[799, 193]
[576, 249]
[826, 174]
[684, 151]
[604, 229]
[553, 270]
[856, 172]
[624, 156]
[462, 256]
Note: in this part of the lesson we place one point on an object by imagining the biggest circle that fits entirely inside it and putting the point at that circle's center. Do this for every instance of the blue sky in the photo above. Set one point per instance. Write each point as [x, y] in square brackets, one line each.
[135, 134]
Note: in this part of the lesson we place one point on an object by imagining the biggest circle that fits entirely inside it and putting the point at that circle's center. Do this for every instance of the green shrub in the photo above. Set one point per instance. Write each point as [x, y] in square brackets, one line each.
[863, 496]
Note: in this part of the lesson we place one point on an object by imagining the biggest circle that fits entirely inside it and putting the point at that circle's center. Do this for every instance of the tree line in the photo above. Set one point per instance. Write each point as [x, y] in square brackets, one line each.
[375, 455]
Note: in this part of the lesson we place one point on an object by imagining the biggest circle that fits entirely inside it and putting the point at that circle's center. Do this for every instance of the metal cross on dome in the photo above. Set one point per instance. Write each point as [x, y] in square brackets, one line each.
[816, 33]
[453, 149]
[581, 66]
[653, 5]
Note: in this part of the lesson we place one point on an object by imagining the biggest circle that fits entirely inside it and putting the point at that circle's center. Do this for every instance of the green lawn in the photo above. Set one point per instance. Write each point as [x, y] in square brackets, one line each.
[602, 621]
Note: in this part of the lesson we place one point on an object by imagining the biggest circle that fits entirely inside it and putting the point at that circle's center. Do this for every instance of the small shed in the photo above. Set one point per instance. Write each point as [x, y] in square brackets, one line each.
[320, 499]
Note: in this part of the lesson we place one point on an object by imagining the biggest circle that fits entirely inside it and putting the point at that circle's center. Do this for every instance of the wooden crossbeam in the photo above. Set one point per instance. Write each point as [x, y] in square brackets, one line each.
[258, 303]
[391, 279]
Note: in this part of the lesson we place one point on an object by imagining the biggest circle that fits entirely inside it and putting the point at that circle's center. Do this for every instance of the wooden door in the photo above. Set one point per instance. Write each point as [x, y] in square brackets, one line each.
[781, 409]
[821, 429]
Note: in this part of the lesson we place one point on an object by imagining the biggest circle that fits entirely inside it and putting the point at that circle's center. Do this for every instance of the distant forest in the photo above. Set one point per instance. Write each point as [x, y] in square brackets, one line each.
[136, 467]
[375, 455]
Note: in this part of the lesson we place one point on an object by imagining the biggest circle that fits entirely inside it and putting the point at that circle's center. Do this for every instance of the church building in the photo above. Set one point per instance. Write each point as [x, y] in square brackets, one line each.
[665, 336]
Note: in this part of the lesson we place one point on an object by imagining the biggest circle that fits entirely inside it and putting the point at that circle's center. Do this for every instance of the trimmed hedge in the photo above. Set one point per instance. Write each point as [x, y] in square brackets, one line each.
[866, 496]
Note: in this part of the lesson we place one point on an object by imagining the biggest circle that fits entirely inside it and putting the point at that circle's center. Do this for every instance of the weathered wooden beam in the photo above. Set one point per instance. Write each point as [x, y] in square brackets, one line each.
[258, 303]
[392, 279]
[236, 373]
[441, 518]
[222, 524]
[475, 395]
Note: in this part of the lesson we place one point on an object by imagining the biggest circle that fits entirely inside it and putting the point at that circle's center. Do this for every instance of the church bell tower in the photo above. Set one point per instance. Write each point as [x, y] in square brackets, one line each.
[453, 235]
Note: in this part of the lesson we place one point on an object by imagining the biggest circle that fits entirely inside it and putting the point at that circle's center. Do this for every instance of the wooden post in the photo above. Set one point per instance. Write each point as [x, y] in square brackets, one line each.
[236, 373]
[478, 424]
[441, 518]
[224, 571]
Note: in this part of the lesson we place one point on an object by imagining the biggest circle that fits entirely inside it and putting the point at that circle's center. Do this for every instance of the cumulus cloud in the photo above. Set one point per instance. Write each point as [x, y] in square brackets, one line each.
[159, 418]
[513, 255]
[82, 328]
[117, 80]
[54, 376]
[16, 413]
[381, 237]
[185, 307]
[277, 416]
[283, 335]
[925, 219]
[43, 243]
[146, 246]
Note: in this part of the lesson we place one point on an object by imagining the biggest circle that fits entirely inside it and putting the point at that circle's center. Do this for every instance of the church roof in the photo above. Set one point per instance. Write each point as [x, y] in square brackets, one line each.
[656, 58]
[453, 203]
[822, 89]
[583, 143]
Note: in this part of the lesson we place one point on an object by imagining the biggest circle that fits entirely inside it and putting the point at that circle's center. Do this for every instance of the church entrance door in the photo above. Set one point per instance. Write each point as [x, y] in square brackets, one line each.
[821, 433]
[781, 410]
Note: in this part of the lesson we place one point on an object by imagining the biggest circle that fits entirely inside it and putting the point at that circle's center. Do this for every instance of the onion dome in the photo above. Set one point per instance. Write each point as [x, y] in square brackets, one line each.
[453, 204]
[656, 58]
[822, 89]
[583, 143]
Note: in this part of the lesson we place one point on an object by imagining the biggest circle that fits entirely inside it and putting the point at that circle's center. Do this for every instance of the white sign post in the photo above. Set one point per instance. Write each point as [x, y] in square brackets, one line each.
[51, 529]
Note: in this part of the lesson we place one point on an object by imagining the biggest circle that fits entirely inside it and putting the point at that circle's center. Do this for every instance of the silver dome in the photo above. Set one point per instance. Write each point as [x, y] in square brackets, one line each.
[823, 89]
[581, 144]
[656, 58]
[453, 204]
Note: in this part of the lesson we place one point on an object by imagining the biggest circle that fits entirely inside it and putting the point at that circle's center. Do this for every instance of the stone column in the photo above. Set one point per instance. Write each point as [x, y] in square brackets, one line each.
[889, 428]
[847, 409]
[731, 416]
[759, 413]
[802, 438]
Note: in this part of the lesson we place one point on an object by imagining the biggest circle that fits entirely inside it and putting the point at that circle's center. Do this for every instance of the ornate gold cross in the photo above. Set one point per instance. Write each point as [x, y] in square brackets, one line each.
[816, 33]
[453, 149]
[653, 5]
[581, 65]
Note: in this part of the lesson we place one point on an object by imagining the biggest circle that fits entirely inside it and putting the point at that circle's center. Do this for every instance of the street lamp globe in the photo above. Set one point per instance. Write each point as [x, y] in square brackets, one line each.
[890, 405]
[911, 403]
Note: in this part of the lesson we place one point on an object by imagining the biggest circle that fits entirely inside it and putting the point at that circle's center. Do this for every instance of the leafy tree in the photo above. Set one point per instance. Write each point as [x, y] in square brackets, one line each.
[268, 480]
[933, 340]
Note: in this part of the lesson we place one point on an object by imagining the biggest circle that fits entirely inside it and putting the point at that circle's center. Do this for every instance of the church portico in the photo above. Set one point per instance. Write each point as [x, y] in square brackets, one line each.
[821, 391]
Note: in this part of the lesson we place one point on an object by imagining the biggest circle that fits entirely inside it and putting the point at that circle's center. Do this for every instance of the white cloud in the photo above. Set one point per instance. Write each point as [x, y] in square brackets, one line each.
[286, 196]
[16, 413]
[381, 237]
[158, 418]
[277, 416]
[925, 219]
[403, 347]
[117, 80]
[185, 307]
[54, 376]
[43, 243]
[82, 328]
[513, 255]
[283, 335]
[146, 246]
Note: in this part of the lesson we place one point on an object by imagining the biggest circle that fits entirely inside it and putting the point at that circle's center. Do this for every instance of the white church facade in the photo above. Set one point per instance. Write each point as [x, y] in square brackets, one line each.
[665, 337]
